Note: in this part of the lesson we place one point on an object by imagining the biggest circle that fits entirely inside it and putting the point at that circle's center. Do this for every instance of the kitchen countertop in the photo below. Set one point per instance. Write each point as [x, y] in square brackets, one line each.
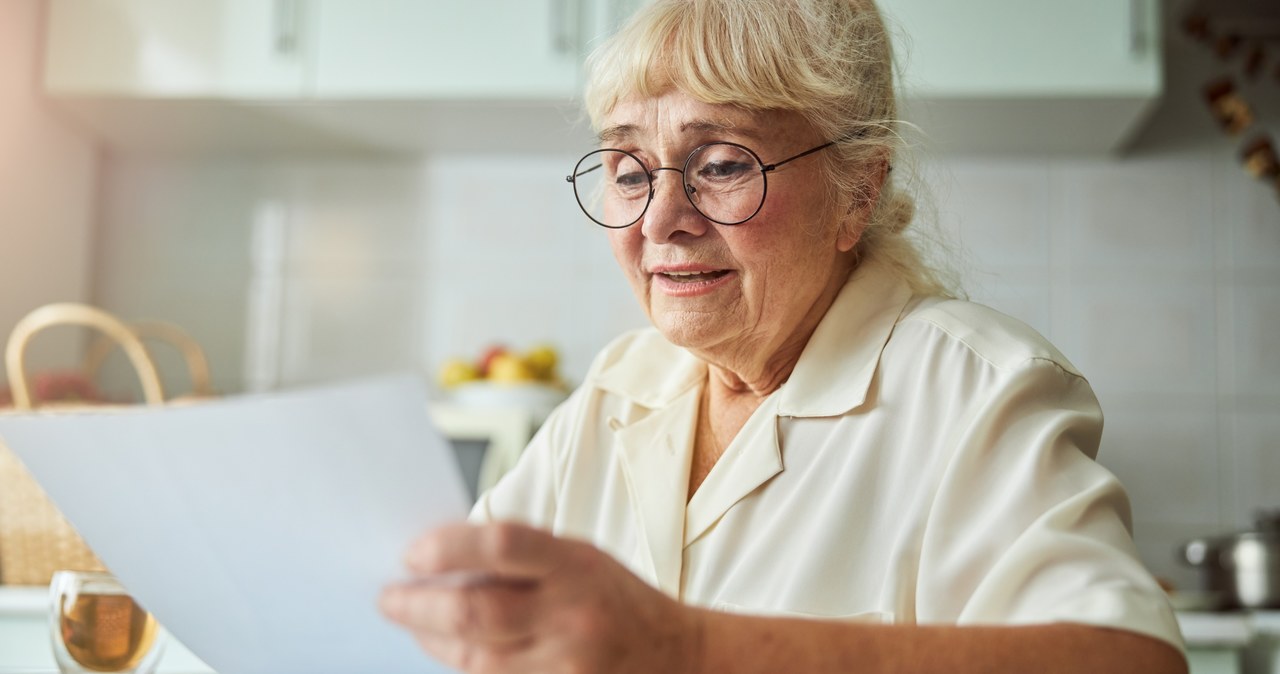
[1204, 629]
[24, 637]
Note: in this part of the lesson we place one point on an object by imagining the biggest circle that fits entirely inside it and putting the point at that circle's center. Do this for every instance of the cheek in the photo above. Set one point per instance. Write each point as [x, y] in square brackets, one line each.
[789, 250]
[774, 241]
[627, 250]
[618, 243]
[806, 226]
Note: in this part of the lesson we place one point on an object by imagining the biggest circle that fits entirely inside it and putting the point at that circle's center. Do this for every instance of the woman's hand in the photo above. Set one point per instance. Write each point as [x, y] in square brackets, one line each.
[510, 598]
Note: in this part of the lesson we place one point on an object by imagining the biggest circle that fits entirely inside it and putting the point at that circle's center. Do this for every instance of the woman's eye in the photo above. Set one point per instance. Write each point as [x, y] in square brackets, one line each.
[631, 181]
[722, 170]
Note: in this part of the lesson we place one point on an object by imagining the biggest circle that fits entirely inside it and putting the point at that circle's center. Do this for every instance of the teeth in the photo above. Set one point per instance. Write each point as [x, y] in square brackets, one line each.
[683, 276]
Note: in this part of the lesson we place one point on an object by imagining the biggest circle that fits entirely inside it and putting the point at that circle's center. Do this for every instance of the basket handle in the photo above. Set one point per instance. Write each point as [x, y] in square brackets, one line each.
[68, 313]
[161, 331]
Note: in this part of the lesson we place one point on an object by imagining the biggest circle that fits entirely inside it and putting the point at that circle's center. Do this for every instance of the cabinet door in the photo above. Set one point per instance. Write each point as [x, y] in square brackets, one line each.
[479, 49]
[1025, 48]
[158, 48]
[606, 16]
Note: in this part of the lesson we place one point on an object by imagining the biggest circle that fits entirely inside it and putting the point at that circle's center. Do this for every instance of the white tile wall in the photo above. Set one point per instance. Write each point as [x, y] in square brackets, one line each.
[994, 213]
[512, 254]
[1256, 308]
[1172, 478]
[1143, 339]
[1160, 278]
[174, 246]
[1152, 215]
[1256, 474]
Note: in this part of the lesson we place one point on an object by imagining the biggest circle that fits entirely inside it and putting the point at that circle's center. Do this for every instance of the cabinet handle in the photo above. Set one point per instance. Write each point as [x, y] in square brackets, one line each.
[288, 19]
[1138, 37]
[562, 27]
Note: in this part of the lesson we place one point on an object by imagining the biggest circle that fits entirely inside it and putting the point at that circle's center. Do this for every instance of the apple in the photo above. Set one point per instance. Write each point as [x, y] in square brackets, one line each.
[486, 358]
[508, 368]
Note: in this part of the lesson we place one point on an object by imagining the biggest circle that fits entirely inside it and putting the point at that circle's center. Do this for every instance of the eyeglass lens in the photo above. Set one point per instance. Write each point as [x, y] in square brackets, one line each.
[723, 181]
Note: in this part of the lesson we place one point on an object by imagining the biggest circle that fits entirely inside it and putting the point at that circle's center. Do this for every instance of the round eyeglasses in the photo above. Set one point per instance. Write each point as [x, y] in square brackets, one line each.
[726, 183]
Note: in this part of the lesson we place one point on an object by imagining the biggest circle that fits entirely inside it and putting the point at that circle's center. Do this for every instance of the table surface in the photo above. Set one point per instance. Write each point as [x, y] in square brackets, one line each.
[25, 639]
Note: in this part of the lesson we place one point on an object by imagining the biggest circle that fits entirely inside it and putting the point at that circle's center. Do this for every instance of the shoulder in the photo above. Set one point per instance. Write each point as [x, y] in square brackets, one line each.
[642, 367]
[976, 330]
[641, 344]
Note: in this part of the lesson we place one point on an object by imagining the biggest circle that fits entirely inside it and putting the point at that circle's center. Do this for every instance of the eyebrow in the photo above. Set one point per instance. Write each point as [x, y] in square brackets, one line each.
[619, 132]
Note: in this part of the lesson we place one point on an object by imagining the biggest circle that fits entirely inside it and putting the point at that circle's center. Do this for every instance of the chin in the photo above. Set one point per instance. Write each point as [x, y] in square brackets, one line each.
[689, 330]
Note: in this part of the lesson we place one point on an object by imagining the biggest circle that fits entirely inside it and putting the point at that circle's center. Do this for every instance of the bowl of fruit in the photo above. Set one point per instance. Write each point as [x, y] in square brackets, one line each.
[504, 377]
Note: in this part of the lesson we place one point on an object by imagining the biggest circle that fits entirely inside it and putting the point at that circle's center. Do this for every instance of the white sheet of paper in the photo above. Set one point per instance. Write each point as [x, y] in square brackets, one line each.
[261, 529]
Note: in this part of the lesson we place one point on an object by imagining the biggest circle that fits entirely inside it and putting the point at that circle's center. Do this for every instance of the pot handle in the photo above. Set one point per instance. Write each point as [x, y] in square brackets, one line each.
[1197, 552]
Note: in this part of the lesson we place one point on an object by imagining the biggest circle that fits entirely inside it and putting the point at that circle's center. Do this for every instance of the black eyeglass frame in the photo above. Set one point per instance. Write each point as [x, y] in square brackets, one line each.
[688, 189]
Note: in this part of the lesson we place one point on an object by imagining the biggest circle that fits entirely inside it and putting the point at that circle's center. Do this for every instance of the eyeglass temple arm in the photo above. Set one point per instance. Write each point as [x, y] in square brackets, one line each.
[849, 136]
[770, 167]
[570, 178]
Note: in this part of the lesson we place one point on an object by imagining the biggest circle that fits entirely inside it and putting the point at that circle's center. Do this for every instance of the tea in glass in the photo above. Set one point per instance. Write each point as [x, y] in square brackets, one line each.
[98, 627]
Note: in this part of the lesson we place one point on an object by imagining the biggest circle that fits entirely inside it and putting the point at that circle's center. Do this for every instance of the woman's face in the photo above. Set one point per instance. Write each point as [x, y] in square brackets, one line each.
[739, 290]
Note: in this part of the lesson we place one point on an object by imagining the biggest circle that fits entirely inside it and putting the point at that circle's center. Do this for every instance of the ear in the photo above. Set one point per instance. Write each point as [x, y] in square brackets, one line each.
[858, 214]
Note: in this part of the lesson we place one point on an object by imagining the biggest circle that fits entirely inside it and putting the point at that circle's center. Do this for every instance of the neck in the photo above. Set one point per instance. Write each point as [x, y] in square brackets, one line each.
[755, 380]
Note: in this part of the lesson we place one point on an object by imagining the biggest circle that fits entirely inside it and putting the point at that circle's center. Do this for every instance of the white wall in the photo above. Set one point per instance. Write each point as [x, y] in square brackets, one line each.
[47, 175]
[1160, 279]
[348, 263]
[382, 264]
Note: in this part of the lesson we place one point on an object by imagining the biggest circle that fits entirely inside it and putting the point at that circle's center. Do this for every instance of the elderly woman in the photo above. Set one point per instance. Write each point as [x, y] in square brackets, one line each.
[816, 460]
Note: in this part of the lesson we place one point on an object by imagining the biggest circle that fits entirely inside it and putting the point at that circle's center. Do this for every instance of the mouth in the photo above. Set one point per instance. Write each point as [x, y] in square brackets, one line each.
[689, 277]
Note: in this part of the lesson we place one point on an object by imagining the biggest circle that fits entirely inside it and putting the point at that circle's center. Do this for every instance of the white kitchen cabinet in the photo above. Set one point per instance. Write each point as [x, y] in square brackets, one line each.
[477, 49]
[1026, 48]
[487, 49]
[177, 48]
[1027, 76]
[985, 76]
[286, 50]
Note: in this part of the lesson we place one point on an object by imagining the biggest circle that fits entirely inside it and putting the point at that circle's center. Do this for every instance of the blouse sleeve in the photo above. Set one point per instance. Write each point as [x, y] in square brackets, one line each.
[527, 493]
[1026, 527]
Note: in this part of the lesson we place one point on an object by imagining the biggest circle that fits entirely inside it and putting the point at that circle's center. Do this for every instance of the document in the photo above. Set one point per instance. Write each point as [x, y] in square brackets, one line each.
[259, 530]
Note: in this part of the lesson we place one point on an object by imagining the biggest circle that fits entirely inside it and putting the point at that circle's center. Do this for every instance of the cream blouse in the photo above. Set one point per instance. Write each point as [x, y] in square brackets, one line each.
[928, 461]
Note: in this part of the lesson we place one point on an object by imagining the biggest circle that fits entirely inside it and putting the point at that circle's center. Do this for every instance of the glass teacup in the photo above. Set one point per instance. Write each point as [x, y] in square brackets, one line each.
[97, 627]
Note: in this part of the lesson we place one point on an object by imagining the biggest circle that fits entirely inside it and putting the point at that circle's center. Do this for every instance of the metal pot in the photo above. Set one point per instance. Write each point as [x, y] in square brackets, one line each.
[1241, 570]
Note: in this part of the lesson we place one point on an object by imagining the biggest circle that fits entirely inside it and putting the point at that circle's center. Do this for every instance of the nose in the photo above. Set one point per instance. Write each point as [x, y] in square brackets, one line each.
[671, 214]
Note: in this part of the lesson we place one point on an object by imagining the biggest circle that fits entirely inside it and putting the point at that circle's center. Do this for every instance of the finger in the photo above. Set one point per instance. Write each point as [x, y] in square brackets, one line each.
[504, 549]
[490, 614]
[467, 657]
[449, 651]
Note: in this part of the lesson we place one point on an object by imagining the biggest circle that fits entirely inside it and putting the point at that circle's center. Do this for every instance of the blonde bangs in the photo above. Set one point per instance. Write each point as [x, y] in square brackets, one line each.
[747, 54]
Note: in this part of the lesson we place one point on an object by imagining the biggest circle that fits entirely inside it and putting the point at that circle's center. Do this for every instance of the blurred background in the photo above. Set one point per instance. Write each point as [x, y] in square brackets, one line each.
[324, 189]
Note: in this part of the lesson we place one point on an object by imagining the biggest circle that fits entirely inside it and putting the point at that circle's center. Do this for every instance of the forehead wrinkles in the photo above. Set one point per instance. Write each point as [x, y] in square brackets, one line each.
[644, 120]
[665, 121]
[625, 132]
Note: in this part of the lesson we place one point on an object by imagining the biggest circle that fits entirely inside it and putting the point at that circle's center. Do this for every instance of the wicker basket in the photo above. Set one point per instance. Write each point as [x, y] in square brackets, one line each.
[157, 331]
[35, 539]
